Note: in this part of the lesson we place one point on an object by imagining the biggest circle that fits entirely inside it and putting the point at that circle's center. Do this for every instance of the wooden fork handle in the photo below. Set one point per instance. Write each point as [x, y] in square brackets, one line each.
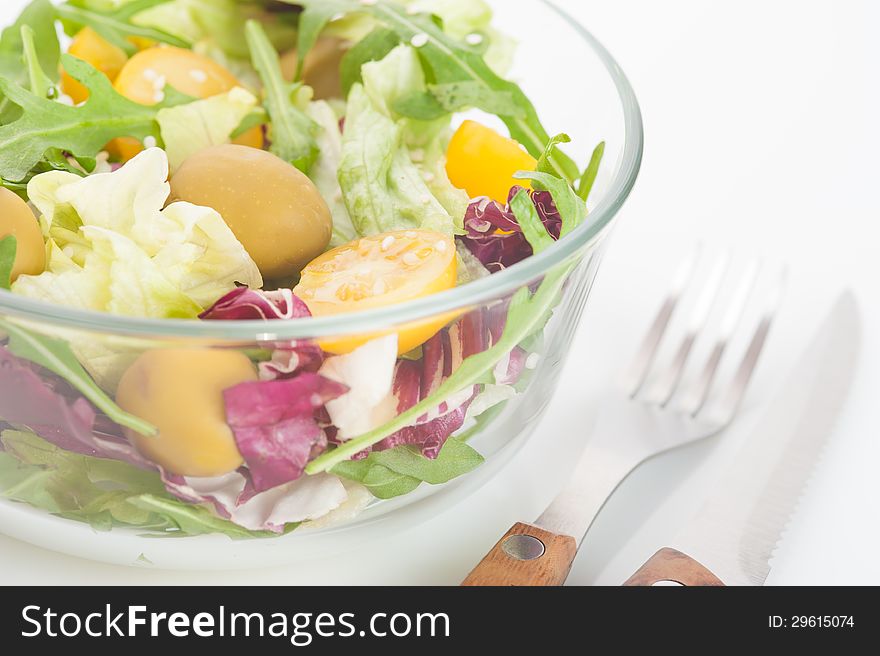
[526, 556]
[671, 565]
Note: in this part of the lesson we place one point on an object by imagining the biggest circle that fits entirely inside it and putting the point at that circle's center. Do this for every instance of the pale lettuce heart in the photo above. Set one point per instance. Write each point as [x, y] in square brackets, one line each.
[187, 129]
[189, 247]
[113, 248]
[324, 172]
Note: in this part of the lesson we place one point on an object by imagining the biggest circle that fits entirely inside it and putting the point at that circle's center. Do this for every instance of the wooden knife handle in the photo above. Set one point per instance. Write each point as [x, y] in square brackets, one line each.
[671, 565]
[526, 555]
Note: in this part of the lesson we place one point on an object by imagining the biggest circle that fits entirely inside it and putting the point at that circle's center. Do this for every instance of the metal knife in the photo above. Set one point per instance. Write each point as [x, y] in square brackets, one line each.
[732, 538]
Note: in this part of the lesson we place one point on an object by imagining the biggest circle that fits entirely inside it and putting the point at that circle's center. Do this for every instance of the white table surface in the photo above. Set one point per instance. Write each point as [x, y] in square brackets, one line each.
[761, 123]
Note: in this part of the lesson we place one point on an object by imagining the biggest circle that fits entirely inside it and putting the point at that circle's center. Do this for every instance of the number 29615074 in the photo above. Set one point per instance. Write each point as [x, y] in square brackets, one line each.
[811, 622]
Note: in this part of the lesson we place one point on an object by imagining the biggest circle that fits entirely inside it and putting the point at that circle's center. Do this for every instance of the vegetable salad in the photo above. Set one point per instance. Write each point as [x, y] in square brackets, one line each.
[264, 160]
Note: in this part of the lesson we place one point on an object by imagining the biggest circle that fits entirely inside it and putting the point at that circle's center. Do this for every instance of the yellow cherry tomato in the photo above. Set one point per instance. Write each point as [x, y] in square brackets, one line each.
[16, 219]
[378, 271]
[180, 391]
[90, 46]
[144, 77]
[482, 162]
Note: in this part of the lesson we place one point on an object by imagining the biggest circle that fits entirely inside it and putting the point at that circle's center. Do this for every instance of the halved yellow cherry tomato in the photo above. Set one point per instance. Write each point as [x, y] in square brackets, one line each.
[482, 162]
[144, 77]
[90, 46]
[378, 271]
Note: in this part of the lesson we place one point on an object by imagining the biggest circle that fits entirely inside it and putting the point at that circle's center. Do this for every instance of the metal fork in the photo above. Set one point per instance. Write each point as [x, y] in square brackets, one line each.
[648, 419]
[639, 422]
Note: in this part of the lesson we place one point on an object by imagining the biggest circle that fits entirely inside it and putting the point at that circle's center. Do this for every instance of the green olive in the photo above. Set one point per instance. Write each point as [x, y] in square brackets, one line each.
[16, 219]
[180, 391]
[322, 68]
[274, 209]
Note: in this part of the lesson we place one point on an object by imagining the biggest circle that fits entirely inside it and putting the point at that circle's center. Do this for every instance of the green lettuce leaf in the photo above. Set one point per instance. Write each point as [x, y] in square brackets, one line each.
[187, 129]
[382, 187]
[324, 172]
[393, 169]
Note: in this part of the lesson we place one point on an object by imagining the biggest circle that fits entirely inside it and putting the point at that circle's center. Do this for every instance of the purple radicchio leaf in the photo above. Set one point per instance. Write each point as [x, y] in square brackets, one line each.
[495, 237]
[38, 399]
[275, 426]
[288, 358]
[415, 381]
[245, 304]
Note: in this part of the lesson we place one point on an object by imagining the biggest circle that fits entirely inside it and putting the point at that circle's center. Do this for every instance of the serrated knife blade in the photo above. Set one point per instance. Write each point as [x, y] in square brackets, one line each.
[736, 531]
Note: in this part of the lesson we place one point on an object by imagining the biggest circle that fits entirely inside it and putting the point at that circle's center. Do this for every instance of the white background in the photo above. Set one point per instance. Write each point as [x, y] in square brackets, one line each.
[761, 121]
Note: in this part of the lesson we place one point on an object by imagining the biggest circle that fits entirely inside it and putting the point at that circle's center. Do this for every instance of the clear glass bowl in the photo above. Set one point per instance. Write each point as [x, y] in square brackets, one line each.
[578, 88]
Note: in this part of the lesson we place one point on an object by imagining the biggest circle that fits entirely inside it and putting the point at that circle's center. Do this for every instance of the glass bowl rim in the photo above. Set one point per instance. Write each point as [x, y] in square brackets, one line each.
[469, 295]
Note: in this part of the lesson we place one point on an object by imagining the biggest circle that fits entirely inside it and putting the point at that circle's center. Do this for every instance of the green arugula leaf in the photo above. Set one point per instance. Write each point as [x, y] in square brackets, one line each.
[192, 520]
[527, 216]
[56, 356]
[292, 132]
[8, 248]
[40, 17]
[399, 471]
[526, 314]
[458, 71]
[585, 186]
[40, 83]
[375, 46]
[544, 161]
[83, 130]
[572, 209]
[115, 25]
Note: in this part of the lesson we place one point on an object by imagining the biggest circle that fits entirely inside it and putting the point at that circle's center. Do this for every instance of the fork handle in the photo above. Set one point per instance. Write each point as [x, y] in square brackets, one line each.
[526, 556]
[671, 565]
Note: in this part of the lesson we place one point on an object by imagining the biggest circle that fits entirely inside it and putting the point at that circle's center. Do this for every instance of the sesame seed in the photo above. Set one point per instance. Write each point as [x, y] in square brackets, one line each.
[159, 96]
[411, 259]
[387, 243]
[420, 40]
[150, 74]
[532, 361]
[150, 142]
[379, 288]
[428, 177]
[474, 39]
[198, 75]
[441, 246]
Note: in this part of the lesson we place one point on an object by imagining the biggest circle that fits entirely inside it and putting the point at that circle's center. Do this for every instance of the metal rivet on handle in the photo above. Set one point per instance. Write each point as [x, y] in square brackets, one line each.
[523, 547]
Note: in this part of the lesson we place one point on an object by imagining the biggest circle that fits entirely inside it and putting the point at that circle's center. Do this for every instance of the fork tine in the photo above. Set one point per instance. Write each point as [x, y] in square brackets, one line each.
[641, 364]
[668, 382]
[732, 399]
[696, 396]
